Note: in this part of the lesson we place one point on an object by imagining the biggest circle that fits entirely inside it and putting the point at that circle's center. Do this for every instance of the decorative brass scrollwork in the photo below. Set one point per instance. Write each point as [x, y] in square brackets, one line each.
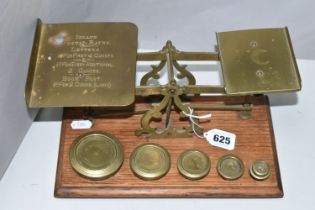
[171, 93]
[156, 69]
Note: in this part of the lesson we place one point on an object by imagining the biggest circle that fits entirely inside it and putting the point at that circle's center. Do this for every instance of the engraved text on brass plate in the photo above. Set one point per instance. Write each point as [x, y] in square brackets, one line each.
[83, 64]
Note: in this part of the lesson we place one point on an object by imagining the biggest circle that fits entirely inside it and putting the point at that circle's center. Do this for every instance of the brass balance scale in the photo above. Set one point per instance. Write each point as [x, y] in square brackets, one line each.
[119, 140]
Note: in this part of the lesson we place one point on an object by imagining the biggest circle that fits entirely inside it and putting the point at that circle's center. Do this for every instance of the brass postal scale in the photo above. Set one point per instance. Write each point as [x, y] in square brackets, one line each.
[178, 139]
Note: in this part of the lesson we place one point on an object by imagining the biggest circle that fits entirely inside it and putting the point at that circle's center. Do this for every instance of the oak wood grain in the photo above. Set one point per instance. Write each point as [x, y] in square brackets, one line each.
[255, 140]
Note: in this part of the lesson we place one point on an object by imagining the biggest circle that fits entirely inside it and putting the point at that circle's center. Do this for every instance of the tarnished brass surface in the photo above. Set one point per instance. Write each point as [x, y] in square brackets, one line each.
[150, 161]
[94, 65]
[171, 98]
[193, 164]
[96, 155]
[169, 55]
[260, 170]
[198, 89]
[230, 167]
[82, 64]
[258, 61]
[179, 56]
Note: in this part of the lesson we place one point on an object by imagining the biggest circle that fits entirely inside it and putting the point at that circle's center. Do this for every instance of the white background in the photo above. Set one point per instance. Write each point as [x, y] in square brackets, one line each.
[191, 25]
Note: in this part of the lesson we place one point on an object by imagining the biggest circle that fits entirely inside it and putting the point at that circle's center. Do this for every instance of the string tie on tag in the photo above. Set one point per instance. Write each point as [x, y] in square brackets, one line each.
[192, 117]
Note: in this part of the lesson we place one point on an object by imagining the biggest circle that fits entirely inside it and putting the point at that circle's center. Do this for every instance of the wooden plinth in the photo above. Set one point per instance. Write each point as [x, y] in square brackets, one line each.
[255, 140]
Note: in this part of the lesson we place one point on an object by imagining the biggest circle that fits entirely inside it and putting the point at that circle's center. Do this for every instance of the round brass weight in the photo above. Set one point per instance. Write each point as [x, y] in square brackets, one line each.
[96, 155]
[230, 167]
[150, 161]
[260, 170]
[193, 164]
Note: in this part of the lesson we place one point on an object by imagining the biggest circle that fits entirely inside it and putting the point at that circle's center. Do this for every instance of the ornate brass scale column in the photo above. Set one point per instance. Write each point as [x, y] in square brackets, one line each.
[172, 92]
[90, 69]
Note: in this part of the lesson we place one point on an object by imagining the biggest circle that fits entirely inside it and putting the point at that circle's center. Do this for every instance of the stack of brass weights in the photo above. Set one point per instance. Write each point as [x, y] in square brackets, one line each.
[99, 155]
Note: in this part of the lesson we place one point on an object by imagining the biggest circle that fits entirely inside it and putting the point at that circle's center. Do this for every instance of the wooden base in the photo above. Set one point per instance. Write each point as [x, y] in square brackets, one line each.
[255, 140]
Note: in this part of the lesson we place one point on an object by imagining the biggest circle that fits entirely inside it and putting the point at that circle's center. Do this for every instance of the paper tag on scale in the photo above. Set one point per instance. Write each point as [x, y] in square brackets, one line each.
[81, 124]
[222, 139]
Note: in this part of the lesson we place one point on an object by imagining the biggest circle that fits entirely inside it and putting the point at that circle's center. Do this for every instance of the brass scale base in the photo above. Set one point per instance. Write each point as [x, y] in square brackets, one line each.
[255, 140]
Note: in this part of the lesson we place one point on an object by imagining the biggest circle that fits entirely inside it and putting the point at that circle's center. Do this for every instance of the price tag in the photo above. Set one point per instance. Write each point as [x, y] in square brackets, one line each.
[81, 124]
[222, 139]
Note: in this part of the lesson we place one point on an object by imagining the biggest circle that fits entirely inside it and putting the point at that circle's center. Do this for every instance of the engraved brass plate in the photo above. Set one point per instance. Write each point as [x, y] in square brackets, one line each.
[258, 61]
[82, 64]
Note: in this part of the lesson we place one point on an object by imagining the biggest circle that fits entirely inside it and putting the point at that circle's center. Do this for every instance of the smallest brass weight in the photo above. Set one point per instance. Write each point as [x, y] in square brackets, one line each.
[260, 170]
[96, 155]
[150, 161]
[230, 167]
[193, 164]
